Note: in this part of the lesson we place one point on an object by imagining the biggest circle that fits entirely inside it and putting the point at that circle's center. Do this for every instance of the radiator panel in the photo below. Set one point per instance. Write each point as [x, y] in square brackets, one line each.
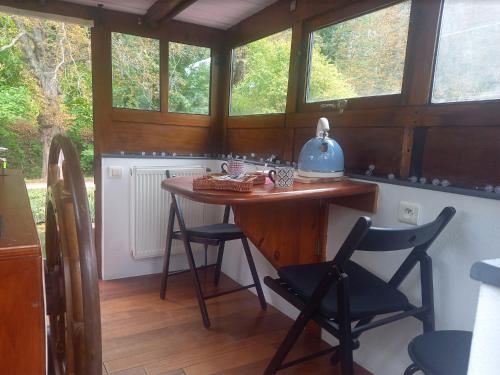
[149, 208]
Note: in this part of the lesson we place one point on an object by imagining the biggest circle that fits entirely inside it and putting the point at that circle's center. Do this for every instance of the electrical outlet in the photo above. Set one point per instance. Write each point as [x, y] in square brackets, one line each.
[408, 212]
[115, 172]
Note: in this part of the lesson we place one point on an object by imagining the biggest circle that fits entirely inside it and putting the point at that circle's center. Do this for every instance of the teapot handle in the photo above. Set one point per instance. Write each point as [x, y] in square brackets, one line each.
[270, 175]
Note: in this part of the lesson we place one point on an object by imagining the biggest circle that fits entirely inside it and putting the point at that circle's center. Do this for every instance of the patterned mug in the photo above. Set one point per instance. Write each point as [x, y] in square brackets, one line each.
[233, 167]
[282, 177]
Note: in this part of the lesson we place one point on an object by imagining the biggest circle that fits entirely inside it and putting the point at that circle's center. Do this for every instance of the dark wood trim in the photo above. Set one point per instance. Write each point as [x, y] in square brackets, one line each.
[294, 76]
[365, 102]
[159, 118]
[225, 97]
[451, 114]
[54, 7]
[421, 50]
[406, 152]
[353, 10]
[165, 10]
[164, 75]
[278, 17]
[393, 116]
[276, 120]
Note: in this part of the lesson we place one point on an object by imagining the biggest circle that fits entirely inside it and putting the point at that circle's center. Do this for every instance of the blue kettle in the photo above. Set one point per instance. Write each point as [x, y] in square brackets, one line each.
[321, 156]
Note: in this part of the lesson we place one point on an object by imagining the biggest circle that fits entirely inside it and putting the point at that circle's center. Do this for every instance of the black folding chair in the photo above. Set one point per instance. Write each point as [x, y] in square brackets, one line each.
[215, 235]
[338, 293]
[440, 353]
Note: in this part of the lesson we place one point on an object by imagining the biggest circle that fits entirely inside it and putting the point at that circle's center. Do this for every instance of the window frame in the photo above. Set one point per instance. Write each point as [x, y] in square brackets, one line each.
[344, 14]
[167, 79]
[163, 117]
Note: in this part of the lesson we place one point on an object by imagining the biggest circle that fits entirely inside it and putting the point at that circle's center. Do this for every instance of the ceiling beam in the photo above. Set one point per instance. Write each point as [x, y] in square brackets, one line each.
[164, 10]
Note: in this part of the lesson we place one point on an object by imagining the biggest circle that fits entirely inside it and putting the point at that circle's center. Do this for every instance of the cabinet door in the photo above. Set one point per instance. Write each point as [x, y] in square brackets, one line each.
[22, 327]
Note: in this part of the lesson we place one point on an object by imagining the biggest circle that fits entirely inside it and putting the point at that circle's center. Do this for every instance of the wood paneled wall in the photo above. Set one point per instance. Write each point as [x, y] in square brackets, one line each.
[456, 141]
[134, 130]
[461, 141]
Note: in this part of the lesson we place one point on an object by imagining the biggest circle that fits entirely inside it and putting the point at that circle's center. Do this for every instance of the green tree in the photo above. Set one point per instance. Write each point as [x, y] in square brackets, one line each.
[45, 88]
[369, 51]
[260, 75]
[188, 79]
[136, 72]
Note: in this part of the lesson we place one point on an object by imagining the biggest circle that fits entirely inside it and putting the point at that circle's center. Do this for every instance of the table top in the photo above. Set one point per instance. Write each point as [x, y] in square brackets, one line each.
[267, 193]
[18, 235]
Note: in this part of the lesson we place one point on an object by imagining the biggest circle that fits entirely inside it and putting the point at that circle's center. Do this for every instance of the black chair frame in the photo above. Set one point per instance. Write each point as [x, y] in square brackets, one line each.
[183, 235]
[361, 237]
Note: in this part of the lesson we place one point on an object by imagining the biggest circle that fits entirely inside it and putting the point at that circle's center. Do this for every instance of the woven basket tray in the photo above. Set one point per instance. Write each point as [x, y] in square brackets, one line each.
[260, 177]
[209, 183]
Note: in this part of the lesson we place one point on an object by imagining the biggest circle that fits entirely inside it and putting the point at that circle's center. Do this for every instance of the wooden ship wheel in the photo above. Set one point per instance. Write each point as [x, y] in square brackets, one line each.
[74, 343]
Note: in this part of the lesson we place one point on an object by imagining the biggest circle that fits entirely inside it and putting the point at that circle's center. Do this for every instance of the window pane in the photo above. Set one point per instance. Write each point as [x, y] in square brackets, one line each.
[360, 57]
[136, 72]
[188, 79]
[468, 58]
[259, 77]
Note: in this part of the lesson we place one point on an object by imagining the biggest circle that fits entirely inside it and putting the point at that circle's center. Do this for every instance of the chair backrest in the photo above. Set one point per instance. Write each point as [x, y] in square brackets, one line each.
[366, 238]
[391, 239]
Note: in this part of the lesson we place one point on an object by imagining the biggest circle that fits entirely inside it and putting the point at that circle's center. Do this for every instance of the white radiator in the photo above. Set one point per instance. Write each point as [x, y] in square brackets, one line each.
[149, 209]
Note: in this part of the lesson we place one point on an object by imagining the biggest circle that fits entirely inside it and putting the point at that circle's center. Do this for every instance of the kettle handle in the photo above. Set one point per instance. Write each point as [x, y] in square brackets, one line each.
[322, 128]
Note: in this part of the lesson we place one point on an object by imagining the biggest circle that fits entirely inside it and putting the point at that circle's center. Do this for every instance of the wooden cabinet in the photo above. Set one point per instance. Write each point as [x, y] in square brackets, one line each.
[22, 317]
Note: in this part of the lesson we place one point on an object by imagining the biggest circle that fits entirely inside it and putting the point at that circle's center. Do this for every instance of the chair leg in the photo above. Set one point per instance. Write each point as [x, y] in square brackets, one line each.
[253, 271]
[412, 369]
[218, 265]
[345, 334]
[168, 251]
[287, 344]
[197, 285]
[192, 264]
[428, 319]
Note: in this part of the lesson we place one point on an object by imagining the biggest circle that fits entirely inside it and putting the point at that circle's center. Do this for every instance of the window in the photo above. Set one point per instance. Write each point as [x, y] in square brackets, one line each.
[468, 57]
[136, 72]
[360, 57]
[188, 79]
[259, 76]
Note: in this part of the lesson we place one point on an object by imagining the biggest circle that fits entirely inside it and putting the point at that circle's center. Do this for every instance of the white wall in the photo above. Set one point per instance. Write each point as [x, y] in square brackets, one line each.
[117, 260]
[473, 234]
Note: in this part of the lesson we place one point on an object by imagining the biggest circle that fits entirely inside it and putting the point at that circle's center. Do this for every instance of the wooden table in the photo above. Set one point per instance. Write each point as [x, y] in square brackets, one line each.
[288, 226]
[22, 317]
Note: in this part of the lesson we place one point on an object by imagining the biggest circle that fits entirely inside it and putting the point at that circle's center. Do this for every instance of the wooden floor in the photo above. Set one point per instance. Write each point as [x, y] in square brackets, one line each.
[145, 335]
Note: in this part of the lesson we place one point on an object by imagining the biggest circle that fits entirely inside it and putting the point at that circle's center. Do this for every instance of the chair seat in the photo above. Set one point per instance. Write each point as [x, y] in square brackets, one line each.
[441, 352]
[368, 294]
[221, 232]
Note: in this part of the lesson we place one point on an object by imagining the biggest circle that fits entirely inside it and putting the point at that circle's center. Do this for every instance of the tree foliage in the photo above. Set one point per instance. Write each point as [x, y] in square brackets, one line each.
[45, 87]
[260, 75]
[368, 52]
[136, 72]
[188, 79]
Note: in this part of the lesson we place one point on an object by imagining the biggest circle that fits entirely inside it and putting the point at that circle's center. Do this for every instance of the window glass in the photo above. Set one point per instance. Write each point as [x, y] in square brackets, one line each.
[468, 57]
[136, 72]
[360, 57]
[259, 76]
[188, 79]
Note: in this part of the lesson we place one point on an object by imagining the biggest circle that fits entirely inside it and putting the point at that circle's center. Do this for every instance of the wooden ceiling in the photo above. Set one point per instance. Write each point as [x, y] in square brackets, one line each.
[220, 14]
